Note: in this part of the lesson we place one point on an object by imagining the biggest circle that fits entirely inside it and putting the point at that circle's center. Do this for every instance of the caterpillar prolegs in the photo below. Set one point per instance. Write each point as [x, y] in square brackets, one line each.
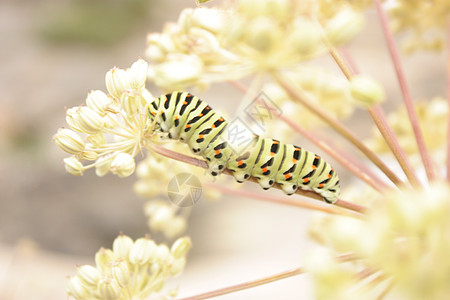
[183, 116]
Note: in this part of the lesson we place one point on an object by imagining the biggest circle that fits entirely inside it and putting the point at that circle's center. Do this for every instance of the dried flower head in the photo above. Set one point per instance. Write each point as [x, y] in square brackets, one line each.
[131, 270]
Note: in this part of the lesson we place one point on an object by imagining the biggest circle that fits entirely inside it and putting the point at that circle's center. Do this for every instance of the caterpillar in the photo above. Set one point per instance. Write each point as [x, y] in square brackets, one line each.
[182, 116]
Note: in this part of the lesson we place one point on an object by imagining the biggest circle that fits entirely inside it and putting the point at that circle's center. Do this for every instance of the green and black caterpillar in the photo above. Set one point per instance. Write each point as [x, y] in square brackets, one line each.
[183, 116]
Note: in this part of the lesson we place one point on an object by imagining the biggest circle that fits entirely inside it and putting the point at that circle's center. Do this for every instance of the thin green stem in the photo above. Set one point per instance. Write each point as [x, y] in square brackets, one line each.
[405, 92]
[379, 118]
[298, 95]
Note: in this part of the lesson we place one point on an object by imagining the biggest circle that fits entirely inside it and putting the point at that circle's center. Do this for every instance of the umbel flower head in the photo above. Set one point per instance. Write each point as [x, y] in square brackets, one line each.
[109, 129]
[131, 270]
[399, 250]
[210, 45]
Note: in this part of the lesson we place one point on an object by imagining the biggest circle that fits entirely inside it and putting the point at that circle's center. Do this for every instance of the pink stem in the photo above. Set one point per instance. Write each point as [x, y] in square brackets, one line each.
[405, 91]
[273, 199]
[448, 101]
[202, 164]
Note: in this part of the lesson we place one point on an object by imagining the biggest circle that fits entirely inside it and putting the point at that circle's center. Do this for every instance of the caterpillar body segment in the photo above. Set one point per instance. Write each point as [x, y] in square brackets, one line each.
[183, 116]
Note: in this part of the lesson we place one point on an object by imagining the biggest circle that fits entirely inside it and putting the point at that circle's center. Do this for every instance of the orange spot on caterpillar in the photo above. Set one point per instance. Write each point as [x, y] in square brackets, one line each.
[185, 102]
[240, 162]
[287, 176]
[272, 153]
[176, 117]
[200, 136]
[213, 126]
[153, 113]
[187, 126]
[221, 119]
[314, 167]
[329, 175]
[200, 115]
[321, 185]
[294, 160]
[264, 170]
[305, 180]
[218, 152]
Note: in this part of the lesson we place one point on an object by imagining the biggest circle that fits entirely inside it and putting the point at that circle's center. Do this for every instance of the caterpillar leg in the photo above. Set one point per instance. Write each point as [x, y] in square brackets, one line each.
[271, 157]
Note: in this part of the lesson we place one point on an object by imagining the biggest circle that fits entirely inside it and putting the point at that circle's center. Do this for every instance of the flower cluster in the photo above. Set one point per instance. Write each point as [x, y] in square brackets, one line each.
[210, 44]
[131, 270]
[432, 115]
[400, 249]
[425, 21]
[113, 127]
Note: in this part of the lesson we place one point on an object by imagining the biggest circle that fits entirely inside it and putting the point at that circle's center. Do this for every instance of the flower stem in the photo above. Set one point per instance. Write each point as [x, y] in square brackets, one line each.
[202, 164]
[288, 201]
[379, 118]
[246, 285]
[298, 95]
[364, 175]
[405, 91]
[448, 102]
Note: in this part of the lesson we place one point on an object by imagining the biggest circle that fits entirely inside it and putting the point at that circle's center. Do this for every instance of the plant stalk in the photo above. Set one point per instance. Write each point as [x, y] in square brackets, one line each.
[379, 118]
[202, 164]
[405, 92]
[299, 96]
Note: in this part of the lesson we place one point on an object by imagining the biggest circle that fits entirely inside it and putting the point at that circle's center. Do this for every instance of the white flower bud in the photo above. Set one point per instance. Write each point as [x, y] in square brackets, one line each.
[122, 246]
[98, 101]
[213, 20]
[344, 26]
[129, 103]
[88, 155]
[97, 139]
[103, 259]
[176, 228]
[180, 72]
[306, 37]
[154, 53]
[109, 289]
[181, 247]
[121, 273]
[73, 166]
[263, 34]
[137, 74]
[72, 118]
[88, 120]
[117, 82]
[366, 91]
[142, 251]
[161, 218]
[177, 266]
[123, 165]
[103, 165]
[77, 289]
[89, 275]
[69, 141]
[163, 255]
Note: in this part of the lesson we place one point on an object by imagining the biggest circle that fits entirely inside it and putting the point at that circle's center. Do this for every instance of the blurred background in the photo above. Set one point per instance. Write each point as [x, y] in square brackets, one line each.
[51, 54]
